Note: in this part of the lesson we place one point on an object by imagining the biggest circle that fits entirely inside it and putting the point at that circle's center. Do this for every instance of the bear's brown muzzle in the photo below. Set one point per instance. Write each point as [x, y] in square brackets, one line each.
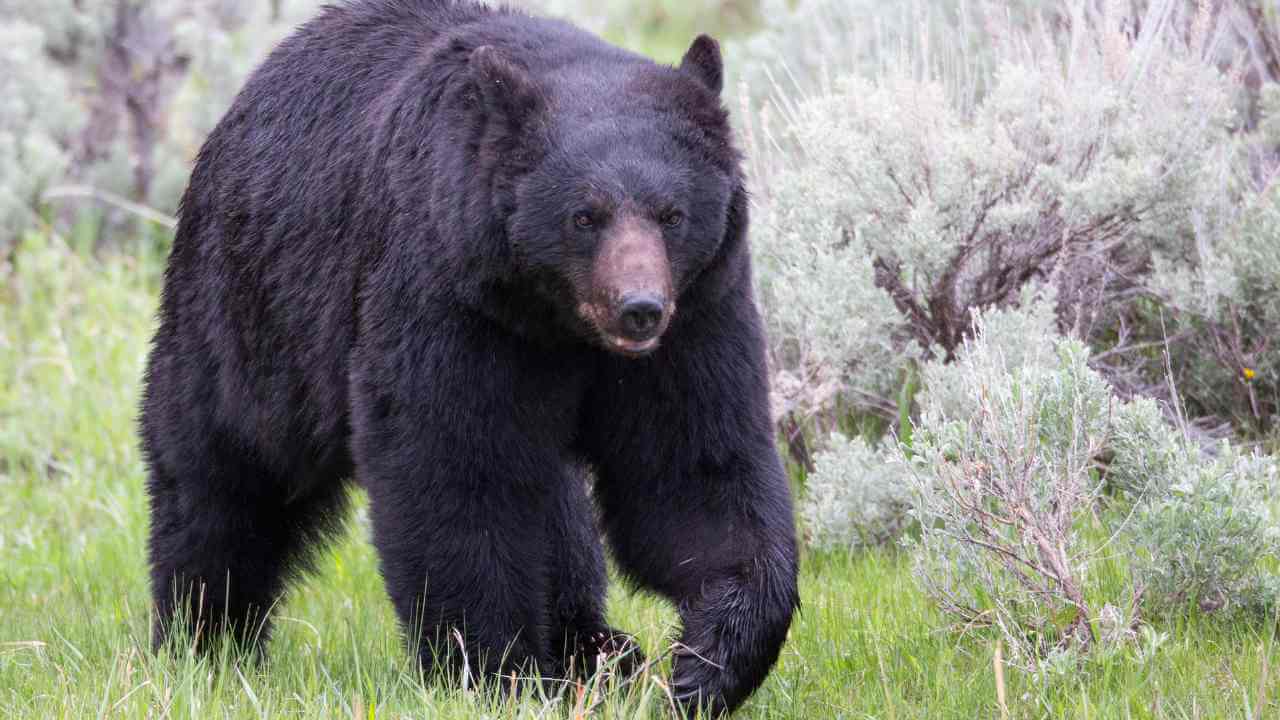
[629, 302]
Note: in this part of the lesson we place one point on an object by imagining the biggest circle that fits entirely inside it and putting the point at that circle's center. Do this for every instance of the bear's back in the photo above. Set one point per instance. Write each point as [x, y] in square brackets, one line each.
[295, 148]
[284, 202]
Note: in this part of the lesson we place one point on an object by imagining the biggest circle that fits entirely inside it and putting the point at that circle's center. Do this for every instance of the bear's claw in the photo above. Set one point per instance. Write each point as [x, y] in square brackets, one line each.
[613, 650]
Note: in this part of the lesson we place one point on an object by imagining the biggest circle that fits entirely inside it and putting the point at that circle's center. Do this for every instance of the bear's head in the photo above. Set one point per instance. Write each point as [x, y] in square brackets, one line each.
[628, 180]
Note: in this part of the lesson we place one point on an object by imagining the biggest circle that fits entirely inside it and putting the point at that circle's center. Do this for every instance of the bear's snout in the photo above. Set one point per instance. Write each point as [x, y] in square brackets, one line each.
[634, 325]
[631, 304]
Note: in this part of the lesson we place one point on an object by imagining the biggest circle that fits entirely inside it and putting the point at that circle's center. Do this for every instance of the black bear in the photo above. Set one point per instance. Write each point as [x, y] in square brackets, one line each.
[466, 257]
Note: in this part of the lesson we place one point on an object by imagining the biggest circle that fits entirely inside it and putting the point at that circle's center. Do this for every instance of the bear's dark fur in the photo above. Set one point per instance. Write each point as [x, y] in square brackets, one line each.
[464, 256]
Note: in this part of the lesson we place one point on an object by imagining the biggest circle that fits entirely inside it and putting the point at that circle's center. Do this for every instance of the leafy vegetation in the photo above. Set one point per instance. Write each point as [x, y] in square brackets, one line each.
[992, 247]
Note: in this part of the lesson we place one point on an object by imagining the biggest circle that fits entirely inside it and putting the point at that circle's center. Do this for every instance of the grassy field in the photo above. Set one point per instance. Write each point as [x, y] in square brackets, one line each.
[74, 610]
[74, 603]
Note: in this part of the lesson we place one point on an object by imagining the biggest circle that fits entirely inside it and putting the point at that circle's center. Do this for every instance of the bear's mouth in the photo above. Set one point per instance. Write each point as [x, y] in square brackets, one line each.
[612, 339]
[632, 348]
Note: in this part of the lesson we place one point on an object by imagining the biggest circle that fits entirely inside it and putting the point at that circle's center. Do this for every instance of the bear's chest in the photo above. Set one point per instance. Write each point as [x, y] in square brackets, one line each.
[547, 394]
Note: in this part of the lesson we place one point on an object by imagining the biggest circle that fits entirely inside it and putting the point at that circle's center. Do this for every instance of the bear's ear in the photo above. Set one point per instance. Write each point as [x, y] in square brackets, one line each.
[505, 87]
[702, 60]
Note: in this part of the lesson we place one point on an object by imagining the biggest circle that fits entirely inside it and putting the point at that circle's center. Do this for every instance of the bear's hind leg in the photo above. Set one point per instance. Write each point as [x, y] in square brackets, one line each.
[224, 536]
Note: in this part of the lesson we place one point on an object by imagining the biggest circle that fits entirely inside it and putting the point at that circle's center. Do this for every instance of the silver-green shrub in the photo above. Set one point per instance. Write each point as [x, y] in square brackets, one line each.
[1002, 474]
[37, 119]
[897, 209]
[113, 99]
[857, 496]
[1205, 541]
[1003, 479]
[1144, 451]
[1019, 338]
[1222, 302]
[803, 45]
[1203, 524]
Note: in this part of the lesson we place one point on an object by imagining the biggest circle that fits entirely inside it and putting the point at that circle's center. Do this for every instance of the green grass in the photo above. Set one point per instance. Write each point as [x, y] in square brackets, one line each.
[74, 610]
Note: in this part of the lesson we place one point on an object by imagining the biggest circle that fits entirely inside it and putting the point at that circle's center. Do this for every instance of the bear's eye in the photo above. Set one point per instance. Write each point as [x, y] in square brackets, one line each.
[583, 220]
[672, 218]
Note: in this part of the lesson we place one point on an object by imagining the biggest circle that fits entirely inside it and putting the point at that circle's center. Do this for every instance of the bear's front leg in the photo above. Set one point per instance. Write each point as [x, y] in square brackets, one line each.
[694, 498]
[462, 452]
[581, 640]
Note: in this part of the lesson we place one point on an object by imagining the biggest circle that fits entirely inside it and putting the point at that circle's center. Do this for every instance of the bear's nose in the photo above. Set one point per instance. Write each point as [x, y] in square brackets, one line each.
[640, 316]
